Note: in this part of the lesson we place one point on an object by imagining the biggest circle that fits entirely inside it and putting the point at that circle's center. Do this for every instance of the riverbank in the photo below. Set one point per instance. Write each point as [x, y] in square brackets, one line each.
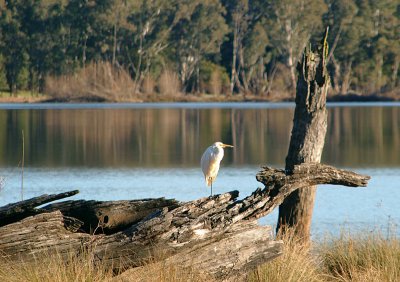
[359, 258]
[28, 97]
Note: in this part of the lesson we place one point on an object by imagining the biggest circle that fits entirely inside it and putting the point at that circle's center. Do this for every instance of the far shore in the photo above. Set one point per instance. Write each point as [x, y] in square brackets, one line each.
[27, 97]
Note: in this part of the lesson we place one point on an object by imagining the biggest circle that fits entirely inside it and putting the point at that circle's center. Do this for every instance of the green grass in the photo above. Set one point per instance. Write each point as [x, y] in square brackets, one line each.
[358, 258]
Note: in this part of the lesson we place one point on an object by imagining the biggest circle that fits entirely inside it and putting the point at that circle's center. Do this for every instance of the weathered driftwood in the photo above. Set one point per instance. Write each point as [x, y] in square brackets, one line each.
[14, 212]
[218, 234]
[110, 216]
[34, 234]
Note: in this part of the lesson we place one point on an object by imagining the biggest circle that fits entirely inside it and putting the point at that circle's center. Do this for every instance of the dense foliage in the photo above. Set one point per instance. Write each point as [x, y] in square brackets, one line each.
[225, 46]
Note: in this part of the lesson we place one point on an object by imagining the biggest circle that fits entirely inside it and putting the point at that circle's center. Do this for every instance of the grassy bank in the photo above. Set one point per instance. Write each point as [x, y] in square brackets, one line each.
[22, 97]
[360, 258]
[28, 97]
[364, 258]
[100, 82]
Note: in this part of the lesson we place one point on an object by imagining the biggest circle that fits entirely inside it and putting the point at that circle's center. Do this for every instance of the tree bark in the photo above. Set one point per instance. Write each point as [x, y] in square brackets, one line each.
[308, 136]
[17, 211]
[234, 53]
[107, 217]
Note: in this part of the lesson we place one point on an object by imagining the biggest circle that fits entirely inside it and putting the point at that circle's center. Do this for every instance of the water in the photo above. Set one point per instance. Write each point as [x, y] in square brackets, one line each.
[131, 151]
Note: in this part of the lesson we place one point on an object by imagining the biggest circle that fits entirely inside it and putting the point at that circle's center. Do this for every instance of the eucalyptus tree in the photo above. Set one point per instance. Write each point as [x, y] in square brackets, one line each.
[3, 81]
[198, 33]
[248, 43]
[39, 23]
[365, 53]
[153, 21]
[237, 18]
[85, 30]
[118, 26]
[290, 25]
[344, 41]
[12, 46]
[354, 51]
[385, 47]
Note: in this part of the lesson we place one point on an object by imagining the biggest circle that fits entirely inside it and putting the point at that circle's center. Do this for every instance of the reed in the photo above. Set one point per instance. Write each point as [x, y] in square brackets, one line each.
[148, 85]
[169, 84]
[360, 258]
[96, 82]
[215, 84]
[85, 267]
[369, 257]
[296, 263]
[55, 268]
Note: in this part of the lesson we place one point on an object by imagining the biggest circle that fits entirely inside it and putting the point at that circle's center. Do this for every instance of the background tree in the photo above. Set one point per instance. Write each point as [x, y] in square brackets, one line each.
[255, 42]
[13, 47]
[117, 25]
[339, 18]
[385, 47]
[248, 40]
[153, 22]
[198, 33]
[291, 25]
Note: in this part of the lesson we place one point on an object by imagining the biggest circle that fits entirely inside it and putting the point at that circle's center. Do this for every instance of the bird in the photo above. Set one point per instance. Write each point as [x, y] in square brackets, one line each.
[210, 161]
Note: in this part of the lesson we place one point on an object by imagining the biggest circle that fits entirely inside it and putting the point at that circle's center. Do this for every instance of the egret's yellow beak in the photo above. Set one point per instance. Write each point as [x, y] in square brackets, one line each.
[227, 146]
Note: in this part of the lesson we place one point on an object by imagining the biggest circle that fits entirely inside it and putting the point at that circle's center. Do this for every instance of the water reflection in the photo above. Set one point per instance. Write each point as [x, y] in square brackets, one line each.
[356, 137]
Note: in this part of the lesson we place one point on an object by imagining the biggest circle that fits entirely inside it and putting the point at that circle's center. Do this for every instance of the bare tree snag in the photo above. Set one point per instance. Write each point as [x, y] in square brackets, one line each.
[217, 234]
[308, 136]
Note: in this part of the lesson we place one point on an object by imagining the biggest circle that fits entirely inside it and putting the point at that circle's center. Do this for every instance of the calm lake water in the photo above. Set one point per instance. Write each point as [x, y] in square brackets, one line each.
[131, 151]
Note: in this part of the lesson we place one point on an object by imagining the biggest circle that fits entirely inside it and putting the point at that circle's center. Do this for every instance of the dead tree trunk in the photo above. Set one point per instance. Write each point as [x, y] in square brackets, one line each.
[218, 235]
[308, 135]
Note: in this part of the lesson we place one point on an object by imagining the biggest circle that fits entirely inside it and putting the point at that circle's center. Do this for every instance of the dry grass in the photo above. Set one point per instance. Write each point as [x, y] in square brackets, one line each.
[359, 258]
[97, 82]
[148, 85]
[215, 85]
[22, 97]
[367, 259]
[159, 268]
[296, 264]
[101, 82]
[53, 268]
[83, 267]
[169, 84]
[162, 272]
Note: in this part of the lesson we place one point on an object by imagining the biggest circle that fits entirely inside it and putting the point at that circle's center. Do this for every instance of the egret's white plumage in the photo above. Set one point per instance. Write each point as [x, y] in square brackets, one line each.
[211, 160]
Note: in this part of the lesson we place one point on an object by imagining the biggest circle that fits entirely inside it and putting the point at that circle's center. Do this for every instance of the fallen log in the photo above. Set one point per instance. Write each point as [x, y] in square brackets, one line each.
[108, 217]
[17, 211]
[218, 234]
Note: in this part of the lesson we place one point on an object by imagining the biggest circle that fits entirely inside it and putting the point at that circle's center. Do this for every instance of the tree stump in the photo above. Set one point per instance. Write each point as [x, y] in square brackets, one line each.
[308, 136]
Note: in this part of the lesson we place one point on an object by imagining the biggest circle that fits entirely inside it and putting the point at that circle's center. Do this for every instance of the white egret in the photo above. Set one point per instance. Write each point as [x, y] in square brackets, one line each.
[211, 160]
